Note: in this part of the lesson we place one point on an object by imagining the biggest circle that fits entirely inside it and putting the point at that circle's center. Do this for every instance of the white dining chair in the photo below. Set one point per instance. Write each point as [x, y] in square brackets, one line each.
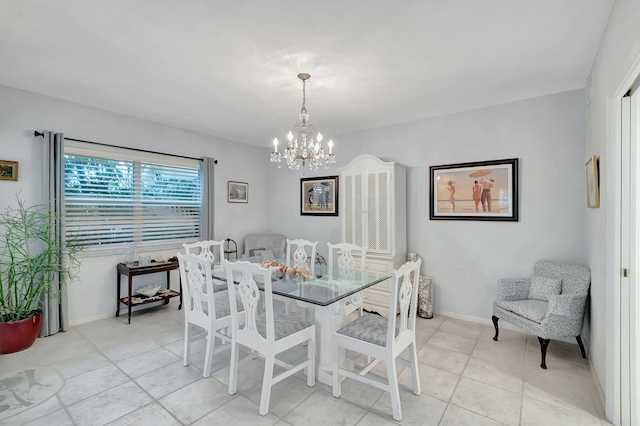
[203, 309]
[300, 254]
[384, 339]
[341, 257]
[210, 249]
[268, 334]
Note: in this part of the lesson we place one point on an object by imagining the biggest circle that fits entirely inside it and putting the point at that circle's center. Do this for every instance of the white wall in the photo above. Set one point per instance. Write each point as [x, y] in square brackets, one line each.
[93, 296]
[466, 258]
[619, 49]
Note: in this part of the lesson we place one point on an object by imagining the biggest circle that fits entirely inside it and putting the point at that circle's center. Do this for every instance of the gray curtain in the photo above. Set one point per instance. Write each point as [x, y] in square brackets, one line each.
[207, 168]
[55, 303]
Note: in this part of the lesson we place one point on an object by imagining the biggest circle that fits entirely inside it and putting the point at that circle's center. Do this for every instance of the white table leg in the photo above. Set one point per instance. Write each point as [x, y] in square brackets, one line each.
[328, 320]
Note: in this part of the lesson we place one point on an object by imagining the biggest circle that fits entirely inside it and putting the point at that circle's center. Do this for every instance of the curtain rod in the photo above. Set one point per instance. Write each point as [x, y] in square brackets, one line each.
[36, 133]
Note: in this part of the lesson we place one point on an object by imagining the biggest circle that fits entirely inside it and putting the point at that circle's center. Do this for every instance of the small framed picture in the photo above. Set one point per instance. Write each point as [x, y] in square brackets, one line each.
[485, 190]
[237, 192]
[591, 170]
[8, 170]
[319, 196]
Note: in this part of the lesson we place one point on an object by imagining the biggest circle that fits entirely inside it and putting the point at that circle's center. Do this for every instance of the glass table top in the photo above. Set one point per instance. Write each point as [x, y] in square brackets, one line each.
[324, 288]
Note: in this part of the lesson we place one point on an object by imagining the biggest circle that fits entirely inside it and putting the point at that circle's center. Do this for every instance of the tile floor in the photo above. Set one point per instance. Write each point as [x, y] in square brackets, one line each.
[121, 374]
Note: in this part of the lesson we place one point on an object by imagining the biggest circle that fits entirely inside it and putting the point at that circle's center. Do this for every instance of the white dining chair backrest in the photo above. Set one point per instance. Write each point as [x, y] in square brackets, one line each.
[202, 308]
[343, 253]
[301, 253]
[265, 333]
[210, 249]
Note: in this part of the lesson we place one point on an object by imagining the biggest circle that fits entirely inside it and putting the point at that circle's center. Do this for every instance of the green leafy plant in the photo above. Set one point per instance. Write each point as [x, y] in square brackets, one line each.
[31, 259]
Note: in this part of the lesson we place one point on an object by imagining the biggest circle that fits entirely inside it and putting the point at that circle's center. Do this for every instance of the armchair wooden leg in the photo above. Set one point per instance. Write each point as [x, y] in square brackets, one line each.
[543, 351]
[495, 324]
[579, 339]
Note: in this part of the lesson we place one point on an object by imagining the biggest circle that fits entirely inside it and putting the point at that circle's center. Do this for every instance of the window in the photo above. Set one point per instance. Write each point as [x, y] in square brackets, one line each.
[117, 197]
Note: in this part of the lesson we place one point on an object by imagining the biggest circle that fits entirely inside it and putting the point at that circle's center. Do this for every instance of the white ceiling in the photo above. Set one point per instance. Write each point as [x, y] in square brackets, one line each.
[228, 68]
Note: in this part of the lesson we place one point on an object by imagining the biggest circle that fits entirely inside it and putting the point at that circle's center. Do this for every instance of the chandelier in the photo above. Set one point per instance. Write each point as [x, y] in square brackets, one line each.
[303, 146]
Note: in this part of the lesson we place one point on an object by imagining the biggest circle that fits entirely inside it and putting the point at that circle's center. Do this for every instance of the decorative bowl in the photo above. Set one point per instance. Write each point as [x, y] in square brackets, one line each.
[148, 290]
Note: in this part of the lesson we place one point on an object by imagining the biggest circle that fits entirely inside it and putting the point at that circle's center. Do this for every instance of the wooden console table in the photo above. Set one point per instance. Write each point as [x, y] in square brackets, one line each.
[133, 270]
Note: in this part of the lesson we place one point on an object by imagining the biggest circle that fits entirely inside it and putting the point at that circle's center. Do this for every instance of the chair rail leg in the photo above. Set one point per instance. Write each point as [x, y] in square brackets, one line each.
[543, 351]
[582, 352]
[495, 324]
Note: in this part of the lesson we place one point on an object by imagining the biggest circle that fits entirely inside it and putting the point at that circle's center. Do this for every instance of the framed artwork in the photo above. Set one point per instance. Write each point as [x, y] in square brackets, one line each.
[319, 196]
[486, 190]
[8, 170]
[237, 192]
[591, 174]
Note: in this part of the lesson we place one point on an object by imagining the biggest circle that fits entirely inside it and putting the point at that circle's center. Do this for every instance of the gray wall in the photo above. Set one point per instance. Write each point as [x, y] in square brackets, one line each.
[466, 258]
[93, 295]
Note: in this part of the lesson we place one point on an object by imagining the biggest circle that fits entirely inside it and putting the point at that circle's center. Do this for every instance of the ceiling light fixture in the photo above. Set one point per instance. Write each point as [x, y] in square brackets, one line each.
[303, 146]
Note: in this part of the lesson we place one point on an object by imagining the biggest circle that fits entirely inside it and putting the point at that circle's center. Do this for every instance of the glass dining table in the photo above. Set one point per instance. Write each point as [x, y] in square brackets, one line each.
[326, 293]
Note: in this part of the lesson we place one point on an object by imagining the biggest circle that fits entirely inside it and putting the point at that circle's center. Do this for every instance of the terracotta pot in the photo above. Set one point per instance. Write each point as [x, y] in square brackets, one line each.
[19, 335]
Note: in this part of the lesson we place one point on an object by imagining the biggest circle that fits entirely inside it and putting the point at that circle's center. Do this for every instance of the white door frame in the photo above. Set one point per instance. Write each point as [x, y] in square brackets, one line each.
[615, 209]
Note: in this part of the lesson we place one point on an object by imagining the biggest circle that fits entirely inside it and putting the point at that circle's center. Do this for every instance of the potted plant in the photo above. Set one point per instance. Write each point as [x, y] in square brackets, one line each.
[30, 258]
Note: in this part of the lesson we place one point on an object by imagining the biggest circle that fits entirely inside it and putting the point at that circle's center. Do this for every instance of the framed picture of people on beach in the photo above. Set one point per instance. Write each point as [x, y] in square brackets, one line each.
[319, 196]
[485, 190]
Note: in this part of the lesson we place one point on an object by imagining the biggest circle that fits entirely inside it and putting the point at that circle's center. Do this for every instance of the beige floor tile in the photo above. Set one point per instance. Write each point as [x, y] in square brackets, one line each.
[452, 342]
[324, 407]
[456, 416]
[488, 401]
[19, 360]
[506, 337]
[85, 363]
[57, 418]
[250, 373]
[536, 412]
[53, 352]
[461, 328]
[168, 379]
[285, 396]
[504, 376]
[371, 419]
[145, 362]
[91, 383]
[433, 381]
[417, 410]
[152, 414]
[109, 405]
[499, 353]
[238, 411]
[196, 400]
[444, 359]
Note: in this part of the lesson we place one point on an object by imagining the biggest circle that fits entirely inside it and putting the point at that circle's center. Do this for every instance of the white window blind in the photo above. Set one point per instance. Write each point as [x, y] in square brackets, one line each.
[119, 200]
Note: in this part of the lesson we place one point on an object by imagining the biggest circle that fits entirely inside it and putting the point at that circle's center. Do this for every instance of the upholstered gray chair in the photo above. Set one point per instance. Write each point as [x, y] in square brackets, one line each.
[549, 305]
[264, 242]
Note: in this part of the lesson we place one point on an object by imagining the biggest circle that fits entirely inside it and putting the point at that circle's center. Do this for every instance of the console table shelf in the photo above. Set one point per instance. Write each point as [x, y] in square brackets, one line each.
[162, 295]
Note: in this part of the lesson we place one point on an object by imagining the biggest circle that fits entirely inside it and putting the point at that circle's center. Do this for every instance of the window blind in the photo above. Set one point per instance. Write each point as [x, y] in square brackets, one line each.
[112, 201]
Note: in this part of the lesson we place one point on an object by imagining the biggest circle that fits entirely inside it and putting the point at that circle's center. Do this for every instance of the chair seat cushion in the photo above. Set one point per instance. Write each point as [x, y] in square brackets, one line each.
[534, 310]
[284, 325]
[542, 288]
[222, 307]
[369, 328]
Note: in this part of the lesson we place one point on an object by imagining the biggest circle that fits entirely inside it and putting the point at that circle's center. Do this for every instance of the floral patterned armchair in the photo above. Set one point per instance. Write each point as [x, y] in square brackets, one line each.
[550, 305]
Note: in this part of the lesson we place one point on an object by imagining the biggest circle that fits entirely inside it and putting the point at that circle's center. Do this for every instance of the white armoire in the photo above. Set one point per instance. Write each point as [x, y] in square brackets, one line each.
[373, 204]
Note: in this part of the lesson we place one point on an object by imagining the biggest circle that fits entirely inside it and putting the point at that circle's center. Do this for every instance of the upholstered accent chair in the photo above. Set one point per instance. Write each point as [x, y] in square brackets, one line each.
[263, 242]
[549, 305]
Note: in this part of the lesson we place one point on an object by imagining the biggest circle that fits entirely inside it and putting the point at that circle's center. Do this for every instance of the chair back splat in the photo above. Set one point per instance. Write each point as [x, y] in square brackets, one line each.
[265, 333]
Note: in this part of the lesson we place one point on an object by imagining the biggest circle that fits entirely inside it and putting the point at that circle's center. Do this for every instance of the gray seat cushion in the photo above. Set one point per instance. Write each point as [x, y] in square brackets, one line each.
[222, 307]
[369, 328]
[534, 310]
[284, 325]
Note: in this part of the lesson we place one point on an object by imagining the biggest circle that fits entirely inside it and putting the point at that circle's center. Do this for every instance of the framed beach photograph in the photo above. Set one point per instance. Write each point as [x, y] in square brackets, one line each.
[237, 192]
[591, 170]
[8, 170]
[319, 196]
[485, 190]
